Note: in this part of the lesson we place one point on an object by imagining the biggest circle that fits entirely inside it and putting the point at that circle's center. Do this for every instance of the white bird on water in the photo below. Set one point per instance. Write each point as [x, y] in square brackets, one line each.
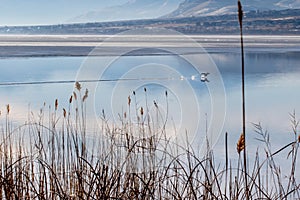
[203, 77]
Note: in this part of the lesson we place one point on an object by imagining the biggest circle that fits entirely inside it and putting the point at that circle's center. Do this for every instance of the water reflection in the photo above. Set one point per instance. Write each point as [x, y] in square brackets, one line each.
[272, 83]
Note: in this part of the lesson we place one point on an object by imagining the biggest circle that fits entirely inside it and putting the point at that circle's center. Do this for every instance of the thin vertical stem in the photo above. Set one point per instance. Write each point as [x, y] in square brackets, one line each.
[240, 14]
[226, 157]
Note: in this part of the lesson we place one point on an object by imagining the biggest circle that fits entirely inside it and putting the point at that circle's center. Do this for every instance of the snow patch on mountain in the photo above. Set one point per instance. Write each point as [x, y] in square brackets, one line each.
[190, 8]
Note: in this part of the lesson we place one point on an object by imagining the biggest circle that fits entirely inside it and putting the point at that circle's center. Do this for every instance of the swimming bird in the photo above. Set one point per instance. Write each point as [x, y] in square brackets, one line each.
[203, 77]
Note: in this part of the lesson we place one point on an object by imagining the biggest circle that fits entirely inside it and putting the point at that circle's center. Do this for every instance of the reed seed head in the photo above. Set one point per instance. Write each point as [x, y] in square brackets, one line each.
[7, 108]
[240, 146]
[133, 93]
[142, 111]
[71, 99]
[129, 100]
[166, 93]
[103, 113]
[299, 138]
[240, 10]
[145, 89]
[155, 104]
[56, 104]
[125, 115]
[75, 95]
[78, 86]
[86, 94]
[65, 113]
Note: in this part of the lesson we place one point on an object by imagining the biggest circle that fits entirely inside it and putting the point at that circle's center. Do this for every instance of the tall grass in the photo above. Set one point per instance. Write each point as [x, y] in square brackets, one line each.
[53, 156]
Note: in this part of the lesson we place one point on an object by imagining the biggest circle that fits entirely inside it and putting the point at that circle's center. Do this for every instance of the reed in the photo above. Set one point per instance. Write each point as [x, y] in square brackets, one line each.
[53, 156]
[240, 18]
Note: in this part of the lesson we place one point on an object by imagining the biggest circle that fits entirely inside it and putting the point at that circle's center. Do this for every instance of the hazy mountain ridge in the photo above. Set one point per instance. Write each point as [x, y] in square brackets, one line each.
[256, 22]
[196, 8]
[132, 9]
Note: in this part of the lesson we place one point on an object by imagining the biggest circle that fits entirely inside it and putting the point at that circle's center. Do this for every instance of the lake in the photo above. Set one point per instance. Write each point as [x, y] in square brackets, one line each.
[38, 69]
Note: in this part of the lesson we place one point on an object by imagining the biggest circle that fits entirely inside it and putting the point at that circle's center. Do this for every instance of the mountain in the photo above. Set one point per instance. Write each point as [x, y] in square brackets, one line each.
[269, 22]
[132, 9]
[195, 8]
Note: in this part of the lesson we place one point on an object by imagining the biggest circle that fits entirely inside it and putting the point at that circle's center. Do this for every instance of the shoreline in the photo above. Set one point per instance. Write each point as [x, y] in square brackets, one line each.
[115, 45]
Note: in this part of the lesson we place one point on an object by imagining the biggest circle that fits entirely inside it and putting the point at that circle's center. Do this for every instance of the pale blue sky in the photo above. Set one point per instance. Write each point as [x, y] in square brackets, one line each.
[26, 12]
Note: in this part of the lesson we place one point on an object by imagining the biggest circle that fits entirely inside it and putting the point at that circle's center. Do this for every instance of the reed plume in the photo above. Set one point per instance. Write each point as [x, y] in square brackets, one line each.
[56, 104]
[129, 100]
[64, 113]
[86, 94]
[142, 111]
[7, 108]
[240, 16]
[75, 95]
[240, 146]
[78, 86]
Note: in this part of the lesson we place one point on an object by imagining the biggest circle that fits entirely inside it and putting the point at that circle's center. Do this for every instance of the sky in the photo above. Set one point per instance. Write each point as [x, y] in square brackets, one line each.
[45, 12]
[34, 12]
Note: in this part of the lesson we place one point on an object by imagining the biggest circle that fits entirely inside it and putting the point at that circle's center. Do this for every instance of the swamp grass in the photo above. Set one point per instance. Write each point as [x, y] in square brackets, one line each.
[52, 156]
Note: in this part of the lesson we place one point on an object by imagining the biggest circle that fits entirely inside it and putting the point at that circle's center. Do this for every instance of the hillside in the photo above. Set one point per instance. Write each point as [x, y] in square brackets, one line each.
[197, 8]
[256, 22]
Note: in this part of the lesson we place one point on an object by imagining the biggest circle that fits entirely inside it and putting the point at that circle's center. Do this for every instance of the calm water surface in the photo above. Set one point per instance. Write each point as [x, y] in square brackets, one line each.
[272, 89]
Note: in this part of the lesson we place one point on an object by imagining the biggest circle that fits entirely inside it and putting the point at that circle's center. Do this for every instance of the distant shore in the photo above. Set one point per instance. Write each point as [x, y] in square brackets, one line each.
[112, 45]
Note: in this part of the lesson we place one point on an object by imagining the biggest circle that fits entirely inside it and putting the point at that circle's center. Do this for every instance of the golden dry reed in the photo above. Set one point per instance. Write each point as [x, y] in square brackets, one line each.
[240, 146]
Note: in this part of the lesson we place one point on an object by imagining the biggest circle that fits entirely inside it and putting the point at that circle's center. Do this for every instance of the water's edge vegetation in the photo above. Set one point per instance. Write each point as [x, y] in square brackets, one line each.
[51, 156]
